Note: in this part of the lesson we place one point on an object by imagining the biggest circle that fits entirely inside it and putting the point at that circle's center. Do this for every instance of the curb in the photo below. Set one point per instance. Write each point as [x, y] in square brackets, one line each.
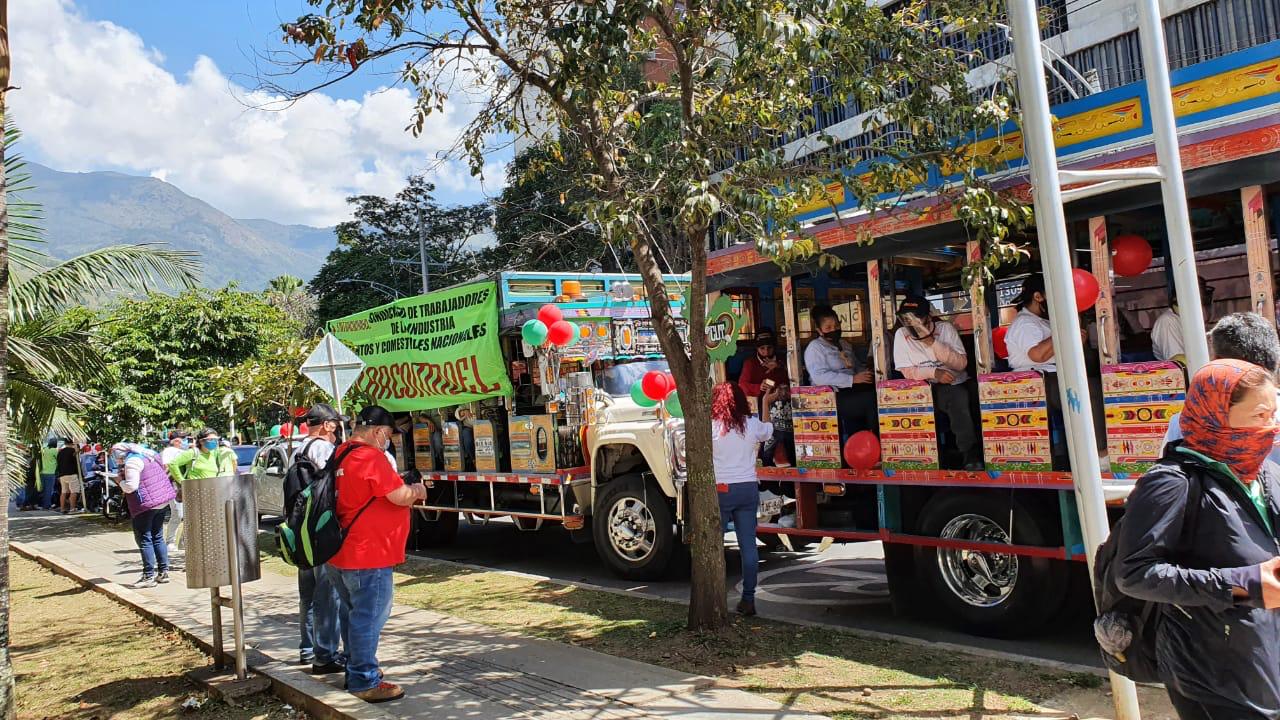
[791, 620]
[288, 683]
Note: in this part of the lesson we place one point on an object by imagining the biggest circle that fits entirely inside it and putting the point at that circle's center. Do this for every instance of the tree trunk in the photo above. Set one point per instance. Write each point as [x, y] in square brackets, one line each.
[692, 373]
[8, 705]
[707, 584]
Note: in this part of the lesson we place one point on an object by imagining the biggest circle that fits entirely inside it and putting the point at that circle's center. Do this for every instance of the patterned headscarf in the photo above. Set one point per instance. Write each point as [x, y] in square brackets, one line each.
[1205, 427]
[122, 449]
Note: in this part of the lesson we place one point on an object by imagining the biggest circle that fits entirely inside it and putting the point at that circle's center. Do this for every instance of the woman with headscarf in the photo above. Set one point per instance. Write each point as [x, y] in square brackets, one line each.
[735, 437]
[1199, 538]
[148, 490]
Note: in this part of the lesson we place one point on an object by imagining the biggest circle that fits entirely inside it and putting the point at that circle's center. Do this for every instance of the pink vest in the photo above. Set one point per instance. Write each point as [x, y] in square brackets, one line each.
[155, 488]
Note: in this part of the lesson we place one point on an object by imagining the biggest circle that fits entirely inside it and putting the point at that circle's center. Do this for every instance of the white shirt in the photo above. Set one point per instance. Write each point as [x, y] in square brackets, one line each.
[169, 453]
[318, 449]
[1175, 431]
[1166, 335]
[131, 476]
[1025, 332]
[733, 454]
[910, 352]
[826, 367]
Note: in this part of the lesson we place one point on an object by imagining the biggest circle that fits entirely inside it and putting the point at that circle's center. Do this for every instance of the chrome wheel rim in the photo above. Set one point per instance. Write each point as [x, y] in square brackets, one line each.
[632, 530]
[980, 579]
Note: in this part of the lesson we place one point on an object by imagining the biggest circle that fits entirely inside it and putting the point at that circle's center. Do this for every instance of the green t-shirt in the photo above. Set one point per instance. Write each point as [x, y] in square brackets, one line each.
[195, 464]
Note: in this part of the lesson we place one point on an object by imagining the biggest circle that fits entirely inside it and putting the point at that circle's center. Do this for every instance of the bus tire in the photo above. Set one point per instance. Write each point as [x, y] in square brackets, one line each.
[435, 533]
[985, 593]
[634, 528]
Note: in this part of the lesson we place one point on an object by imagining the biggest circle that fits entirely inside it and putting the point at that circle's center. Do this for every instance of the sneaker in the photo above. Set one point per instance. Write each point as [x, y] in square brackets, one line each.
[384, 692]
[146, 581]
[162, 577]
[747, 607]
[328, 668]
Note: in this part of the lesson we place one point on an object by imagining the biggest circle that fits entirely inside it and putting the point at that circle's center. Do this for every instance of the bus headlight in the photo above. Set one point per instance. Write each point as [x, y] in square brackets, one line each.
[677, 451]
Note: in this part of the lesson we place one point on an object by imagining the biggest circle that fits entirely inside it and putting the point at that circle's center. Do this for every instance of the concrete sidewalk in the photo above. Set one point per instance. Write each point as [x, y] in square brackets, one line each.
[449, 668]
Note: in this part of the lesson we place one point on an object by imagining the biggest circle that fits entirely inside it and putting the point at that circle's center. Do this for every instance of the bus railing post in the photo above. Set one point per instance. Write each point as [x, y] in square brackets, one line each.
[1051, 229]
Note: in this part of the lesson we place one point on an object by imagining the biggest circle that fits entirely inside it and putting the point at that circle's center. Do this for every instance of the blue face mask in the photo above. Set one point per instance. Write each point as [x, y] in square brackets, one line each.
[209, 444]
[185, 443]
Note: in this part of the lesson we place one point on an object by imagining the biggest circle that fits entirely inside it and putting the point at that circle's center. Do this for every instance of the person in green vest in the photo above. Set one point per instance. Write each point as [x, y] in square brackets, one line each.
[48, 473]
[207, 459]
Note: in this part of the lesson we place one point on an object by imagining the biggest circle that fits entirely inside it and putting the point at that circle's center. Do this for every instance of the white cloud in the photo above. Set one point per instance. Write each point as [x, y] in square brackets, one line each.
[94, 96]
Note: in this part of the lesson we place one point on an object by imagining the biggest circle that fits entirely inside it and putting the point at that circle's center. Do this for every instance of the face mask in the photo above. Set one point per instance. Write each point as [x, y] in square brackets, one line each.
[833, 336]
[185, 444]
[210, 444]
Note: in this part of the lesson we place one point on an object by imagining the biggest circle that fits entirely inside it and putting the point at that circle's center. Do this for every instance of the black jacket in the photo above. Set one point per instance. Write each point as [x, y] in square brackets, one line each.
[1210, 647]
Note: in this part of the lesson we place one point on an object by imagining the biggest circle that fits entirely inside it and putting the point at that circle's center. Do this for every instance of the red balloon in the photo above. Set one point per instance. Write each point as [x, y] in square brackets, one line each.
[550, 315]
[1086, 286]
[303, 429]
[1130, 255]
[997, 341]
[286, 430]
[862, 450]
[560, 332]
[654, 384]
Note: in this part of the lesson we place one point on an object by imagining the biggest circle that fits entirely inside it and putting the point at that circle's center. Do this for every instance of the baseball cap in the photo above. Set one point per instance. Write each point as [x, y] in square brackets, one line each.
[321, 412]
[916, 305]
[375, 416]
[175, 434]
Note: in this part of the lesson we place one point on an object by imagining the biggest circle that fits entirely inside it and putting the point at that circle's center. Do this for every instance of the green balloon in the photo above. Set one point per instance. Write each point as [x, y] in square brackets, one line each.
[534, 332]
[275, 431]
[673, 405]
[637, 394]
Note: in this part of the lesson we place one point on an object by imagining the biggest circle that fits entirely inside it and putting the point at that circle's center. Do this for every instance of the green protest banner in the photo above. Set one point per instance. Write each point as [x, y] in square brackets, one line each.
[429, 351]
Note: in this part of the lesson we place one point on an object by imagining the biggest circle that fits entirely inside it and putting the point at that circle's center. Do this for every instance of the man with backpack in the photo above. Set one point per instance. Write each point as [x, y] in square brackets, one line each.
[367, 485]
[319, 613]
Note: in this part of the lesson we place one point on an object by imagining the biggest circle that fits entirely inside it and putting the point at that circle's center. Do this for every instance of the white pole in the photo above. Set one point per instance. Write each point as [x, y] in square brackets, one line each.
[1173, 193]
[1051, 227]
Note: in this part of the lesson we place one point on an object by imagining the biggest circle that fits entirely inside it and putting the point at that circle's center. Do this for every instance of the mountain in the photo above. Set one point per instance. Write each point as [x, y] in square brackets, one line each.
[87, 211]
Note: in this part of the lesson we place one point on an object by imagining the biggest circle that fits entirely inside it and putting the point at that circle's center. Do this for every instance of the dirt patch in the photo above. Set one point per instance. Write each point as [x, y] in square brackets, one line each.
[77, 654]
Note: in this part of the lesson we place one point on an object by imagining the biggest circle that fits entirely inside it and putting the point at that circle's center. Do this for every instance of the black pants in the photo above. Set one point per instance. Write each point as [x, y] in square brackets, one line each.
[1189, 709]
[856, 409]
[957, 403]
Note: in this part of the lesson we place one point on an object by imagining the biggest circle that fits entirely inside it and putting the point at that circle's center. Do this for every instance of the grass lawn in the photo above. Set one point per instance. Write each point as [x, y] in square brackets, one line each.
[817, 669]
[78, 654]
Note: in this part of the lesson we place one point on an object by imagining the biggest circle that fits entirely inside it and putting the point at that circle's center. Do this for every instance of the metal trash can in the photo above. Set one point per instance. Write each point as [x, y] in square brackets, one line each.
[204, 505]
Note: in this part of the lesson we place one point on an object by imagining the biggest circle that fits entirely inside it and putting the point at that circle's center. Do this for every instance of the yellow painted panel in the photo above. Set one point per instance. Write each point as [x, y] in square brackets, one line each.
[1234, 86]
[833, 194]
[1099, 122]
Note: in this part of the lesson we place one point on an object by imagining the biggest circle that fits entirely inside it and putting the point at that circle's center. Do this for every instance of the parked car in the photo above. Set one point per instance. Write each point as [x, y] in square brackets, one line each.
[269, 464]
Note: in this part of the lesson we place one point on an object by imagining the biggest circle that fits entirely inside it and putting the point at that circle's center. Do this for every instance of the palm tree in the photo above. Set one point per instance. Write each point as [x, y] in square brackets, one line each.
[290, 295]
[51, 347]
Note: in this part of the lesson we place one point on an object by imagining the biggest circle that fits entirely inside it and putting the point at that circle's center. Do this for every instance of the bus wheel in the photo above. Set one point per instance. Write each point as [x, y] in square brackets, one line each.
[992, 594]
[434, 533]
[634, 529]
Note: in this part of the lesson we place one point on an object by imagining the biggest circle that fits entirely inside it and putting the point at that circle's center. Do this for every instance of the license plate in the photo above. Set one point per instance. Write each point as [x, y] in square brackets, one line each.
[771, 507]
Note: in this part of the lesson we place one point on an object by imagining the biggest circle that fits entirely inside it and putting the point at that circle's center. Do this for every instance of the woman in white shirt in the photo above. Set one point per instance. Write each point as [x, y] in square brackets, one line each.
[735, 440]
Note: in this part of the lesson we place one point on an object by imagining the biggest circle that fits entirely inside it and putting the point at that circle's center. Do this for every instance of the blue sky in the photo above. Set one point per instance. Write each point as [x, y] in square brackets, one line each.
[168, 88]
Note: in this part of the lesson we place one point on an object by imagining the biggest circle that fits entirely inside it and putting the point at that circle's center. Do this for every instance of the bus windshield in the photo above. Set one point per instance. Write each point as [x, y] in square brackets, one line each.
[618, 379]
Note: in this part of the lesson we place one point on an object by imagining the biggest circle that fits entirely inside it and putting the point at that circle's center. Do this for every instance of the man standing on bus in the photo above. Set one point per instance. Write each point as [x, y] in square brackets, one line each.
[830, 361]
[928, 349]
[1166, 331]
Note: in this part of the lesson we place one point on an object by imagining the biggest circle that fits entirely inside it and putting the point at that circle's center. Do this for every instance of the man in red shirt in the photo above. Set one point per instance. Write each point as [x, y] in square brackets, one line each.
[373, 505]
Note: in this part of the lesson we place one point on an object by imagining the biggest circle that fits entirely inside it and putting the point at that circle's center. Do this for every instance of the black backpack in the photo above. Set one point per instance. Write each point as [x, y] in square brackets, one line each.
[1125, 627]
[311, 535]
[301, 473]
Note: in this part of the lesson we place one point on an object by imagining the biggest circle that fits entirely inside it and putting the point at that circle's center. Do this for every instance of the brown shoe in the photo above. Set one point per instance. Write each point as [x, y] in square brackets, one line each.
[746, 607]
[384, 692]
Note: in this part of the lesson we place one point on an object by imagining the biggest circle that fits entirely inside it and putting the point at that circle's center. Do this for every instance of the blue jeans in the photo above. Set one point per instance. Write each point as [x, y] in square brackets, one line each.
[365, 595]
[323, 618]
[740, 505]
[46, 491]
[148, 532]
